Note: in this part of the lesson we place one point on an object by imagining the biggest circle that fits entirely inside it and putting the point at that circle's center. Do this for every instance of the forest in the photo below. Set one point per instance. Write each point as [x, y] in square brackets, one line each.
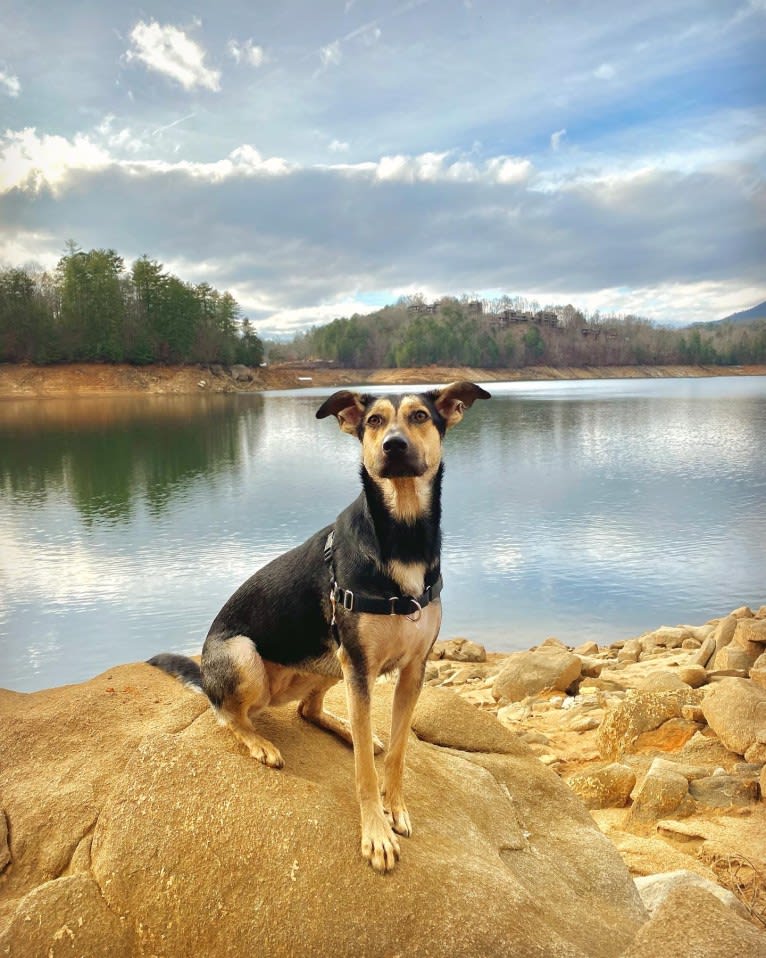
[513, 332]
[91, 308]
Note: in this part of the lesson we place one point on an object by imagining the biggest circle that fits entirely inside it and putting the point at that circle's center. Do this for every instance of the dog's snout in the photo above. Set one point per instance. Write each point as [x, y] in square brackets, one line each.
[395, 442]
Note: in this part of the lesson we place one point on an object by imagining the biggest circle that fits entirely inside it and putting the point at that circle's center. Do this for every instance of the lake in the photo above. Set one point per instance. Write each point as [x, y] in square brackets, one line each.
[585, 510]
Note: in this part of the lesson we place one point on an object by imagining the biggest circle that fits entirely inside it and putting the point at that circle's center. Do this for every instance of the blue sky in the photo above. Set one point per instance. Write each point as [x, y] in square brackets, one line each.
[319, 158]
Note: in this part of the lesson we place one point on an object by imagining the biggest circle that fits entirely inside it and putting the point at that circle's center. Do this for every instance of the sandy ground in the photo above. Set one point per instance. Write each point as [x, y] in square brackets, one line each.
[82, 379]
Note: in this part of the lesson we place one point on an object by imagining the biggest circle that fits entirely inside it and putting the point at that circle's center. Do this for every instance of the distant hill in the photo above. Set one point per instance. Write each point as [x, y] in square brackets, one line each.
[747, 315]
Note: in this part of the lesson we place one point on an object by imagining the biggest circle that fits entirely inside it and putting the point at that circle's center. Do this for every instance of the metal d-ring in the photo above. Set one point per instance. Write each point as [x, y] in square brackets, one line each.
[418, 608]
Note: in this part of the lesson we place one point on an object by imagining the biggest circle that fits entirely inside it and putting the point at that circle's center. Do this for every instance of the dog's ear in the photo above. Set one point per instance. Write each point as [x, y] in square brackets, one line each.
[453, 399]
[347, 407]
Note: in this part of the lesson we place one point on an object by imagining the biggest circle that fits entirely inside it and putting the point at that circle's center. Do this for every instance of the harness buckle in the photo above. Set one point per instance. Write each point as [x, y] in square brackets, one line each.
[347, 600]
[393, 600]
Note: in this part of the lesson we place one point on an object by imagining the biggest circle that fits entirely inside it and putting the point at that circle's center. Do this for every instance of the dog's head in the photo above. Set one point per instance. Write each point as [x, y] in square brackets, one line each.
[401, 436]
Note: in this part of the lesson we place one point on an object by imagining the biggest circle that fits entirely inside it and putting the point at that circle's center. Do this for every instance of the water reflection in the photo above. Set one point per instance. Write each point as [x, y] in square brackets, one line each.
[105, 454]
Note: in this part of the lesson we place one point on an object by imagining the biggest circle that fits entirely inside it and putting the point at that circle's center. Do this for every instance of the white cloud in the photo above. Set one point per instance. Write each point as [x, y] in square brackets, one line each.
[9, 84]
[247, 52]
[168, 50]
[31, 162]
[331, 55]
[605, 72]
[438, 167]
[556, 138]
[339, 146]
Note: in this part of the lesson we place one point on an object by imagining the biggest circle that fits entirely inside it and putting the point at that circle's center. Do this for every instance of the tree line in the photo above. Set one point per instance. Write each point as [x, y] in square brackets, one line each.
[454, 334]
[91, 308]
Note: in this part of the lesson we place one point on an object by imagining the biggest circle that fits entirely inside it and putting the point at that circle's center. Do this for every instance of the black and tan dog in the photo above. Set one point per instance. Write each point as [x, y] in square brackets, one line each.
[358, 599]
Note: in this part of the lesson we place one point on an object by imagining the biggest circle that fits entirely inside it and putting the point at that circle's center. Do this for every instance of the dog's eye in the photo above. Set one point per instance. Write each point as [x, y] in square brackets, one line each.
[420, 416]
[374, 420]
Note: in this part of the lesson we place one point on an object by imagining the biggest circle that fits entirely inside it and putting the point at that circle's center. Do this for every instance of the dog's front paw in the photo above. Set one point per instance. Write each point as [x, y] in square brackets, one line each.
[398, 818]
[268, 754]
[379, 844]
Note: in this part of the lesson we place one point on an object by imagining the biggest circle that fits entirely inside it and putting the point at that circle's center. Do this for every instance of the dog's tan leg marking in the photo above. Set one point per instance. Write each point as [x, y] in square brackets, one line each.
[311, 709]
[251, 695]
[405, 698]
[380, 845]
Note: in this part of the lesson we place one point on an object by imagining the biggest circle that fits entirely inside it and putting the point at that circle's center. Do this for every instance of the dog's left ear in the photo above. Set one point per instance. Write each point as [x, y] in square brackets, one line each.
[347, 407]
[453, 399]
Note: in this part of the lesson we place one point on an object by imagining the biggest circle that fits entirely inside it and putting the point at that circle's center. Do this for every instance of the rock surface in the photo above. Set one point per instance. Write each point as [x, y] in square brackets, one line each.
[140, 827]
[137, 826]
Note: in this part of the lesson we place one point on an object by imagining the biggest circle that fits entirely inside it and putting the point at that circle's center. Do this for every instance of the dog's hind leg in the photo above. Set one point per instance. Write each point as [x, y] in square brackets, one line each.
[312, 709]
[235, 680]
[405, 698]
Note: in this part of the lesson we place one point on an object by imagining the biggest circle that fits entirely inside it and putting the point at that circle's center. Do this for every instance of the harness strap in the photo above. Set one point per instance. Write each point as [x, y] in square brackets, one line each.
[394, 605]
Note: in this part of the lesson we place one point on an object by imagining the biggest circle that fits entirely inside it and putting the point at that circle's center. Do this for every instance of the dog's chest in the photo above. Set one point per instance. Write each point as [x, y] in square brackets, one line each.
[395, 641]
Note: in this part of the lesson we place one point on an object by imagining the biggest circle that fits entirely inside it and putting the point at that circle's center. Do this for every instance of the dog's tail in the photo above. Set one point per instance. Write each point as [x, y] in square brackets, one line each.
[181, 666]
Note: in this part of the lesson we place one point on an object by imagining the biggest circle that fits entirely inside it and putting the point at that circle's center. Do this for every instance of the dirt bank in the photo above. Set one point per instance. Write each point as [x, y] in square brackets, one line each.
[84, 379]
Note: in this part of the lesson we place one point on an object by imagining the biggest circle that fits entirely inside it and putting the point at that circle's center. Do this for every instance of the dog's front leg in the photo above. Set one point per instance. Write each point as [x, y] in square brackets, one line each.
[405, 698]
[380, 845]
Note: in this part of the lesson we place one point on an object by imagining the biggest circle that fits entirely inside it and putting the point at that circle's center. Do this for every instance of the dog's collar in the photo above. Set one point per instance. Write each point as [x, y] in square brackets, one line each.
[393, 605]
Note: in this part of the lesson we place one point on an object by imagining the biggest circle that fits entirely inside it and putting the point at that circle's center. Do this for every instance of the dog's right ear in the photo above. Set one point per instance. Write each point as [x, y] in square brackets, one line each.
[347, 407]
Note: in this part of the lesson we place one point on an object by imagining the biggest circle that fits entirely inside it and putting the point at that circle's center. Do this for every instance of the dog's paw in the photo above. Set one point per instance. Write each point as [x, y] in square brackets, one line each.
[398, 818]
[377, 746]
[379, 844]
[268, 755]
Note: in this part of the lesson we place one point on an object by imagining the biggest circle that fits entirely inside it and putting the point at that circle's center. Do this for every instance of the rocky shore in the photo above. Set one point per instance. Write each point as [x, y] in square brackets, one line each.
[588, 802]
[118, 379]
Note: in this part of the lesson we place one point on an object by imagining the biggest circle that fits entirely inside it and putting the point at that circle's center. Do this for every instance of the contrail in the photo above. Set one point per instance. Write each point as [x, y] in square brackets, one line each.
[174, 123]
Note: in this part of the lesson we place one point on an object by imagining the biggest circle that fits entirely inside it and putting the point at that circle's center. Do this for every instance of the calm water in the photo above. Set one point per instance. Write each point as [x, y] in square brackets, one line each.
[581, 510]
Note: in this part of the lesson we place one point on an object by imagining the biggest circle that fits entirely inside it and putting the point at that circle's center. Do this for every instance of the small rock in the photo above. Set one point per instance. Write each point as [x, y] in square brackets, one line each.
[693, 713]
[693, 675]
[706, 652]
[735, 657]
[640, 712]
[661, 681]
[756, 754]
[743, 612]
[736, 711]
[691, 644]
[630, 652]
[459, 650]
[607, 787]
[587, 648]
[654, 889]
[722, 791]
[661, 792]
[584, 723]
[526, 673]
[241, 374]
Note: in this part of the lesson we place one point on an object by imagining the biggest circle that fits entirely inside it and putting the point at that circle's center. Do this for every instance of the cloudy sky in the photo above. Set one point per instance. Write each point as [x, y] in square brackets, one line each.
[320, 157]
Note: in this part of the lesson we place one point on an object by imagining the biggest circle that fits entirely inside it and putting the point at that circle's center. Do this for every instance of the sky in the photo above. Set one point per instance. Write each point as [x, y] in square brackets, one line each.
[323, 157]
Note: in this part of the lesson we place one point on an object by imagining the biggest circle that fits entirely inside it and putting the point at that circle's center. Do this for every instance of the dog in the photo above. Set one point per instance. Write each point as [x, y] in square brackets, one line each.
[360, 598]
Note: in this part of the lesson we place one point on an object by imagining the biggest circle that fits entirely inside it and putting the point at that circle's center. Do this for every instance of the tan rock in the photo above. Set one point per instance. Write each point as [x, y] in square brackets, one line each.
[606, 787]
[459, 650]
[661, 793]
[669, 637]
[736, 711]
[692, 675]
[587, 648]
[734, 656]
[197, 849]
[743, 612]
[654, 890]
[692, 922]
[706, 652]
[756, 754]
[662, 680]
[525, 673]
[630, 651]
[724, 633]
[640, 712]
[691, 644]
[750, 631]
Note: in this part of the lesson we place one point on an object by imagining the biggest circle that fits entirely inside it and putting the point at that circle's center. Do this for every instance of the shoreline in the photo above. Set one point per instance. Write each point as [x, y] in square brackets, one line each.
[19, 381]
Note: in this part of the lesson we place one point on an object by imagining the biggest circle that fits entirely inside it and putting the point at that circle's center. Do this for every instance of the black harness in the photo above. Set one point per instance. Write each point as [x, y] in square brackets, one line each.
[394, 605]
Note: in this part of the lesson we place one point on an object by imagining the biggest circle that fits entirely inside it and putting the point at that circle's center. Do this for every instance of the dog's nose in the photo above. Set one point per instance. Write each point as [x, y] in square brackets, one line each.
[394, 443]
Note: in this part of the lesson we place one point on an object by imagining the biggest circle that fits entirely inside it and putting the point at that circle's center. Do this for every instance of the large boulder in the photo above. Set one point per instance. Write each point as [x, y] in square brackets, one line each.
[526, 673]
[736, 711]
[140, 827]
